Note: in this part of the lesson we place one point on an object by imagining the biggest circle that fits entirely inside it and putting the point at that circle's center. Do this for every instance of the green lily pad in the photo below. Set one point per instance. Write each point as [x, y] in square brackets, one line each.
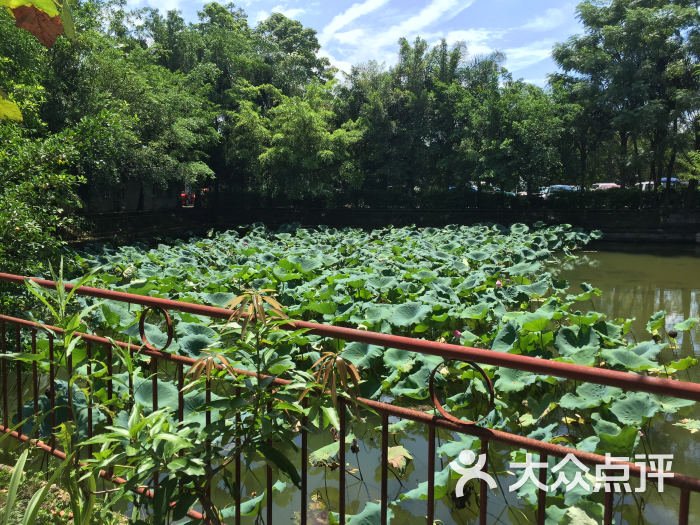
[634, 408]
[589, 395]
[686, 325]
[409, 314]
[362, 355]
[656, 321]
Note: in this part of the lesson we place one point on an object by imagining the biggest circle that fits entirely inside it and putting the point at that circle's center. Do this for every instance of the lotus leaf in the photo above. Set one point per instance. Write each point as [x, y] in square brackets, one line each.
[585, 513]
[324, 456]
[691, 424]
[621, 445]
[510, 380]
[250, 507]
[453, 448]
[361, 355]
[409, 314]
[634, 408]
[601, 426]
[686, 325]
[193, 345]
[627, 359]
[656, 321]
[477, 255]
[441, 487]
[399, 458]
[670, 405]
[506, 338]
[589, 395]
[220, 299]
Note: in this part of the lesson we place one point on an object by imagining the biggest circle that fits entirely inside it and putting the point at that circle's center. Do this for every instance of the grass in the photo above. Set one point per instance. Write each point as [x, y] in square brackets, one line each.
[56, 507]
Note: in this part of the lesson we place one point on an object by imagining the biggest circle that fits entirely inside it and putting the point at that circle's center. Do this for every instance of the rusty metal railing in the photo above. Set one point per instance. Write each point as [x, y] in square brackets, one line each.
[629, 381]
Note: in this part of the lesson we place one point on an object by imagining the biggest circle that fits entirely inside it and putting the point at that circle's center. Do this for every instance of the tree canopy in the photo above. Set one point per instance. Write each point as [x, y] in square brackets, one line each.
[258, 116]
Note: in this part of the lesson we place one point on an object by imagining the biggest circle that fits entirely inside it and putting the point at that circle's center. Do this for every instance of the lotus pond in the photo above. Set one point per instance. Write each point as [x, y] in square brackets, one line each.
[539, 292]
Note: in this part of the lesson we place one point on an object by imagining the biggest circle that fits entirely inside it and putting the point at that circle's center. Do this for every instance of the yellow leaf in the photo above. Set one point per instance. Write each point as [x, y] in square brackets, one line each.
[10, 111]
[47, 6]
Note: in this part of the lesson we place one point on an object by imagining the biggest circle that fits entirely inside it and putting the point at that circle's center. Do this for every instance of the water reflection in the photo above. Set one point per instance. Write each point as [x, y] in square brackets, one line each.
[639, 280]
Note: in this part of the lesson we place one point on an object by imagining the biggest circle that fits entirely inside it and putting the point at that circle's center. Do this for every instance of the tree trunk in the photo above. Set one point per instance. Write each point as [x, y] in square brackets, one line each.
[639, 172]
[623, 154]
[584, 160]
[690, 192]
[141, 204]
[672, 161]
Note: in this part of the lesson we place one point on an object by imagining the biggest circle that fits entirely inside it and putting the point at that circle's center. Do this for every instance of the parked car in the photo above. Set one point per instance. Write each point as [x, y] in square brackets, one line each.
[556, 188]
[604, 185]
[649, 184]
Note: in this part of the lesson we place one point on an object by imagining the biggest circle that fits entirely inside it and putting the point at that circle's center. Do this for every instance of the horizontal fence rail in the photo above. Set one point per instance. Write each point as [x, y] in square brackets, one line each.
[629, 381]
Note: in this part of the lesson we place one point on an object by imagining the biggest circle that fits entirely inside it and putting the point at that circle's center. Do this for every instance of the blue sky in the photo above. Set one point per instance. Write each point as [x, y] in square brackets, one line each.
[353, 31]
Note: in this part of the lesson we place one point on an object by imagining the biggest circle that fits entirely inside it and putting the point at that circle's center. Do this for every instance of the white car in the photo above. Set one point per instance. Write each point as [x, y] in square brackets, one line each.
[604, 185]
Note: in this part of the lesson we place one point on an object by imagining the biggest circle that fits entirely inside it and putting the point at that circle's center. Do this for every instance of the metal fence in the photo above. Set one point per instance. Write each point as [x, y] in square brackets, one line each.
[161, 222]
[629, 381]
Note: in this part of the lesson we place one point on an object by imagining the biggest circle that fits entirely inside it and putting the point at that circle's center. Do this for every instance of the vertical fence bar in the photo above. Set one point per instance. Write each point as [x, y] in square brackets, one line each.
[608, 511]
[110, 471]
[385, 466]
[69, 391]
[3, 366]
[684, 507]
[341, 474]
[431, 474]
[238, 465]
[207, 421]
[541, 494]
[131, 379]
[88, 347]
[304, 463]
[154, 382]
[35, 381]
[52, 393]
[109, 379]
[180, 393]
[484, 490]
[269, 480]
[18, 338]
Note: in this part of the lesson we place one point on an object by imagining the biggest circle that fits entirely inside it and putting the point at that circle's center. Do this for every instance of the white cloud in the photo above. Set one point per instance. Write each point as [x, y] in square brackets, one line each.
[521, 57]
[350, 37]
[541, 82]
[289, 13]
[370, 42]
[427, 16]
[163, 5]
[552, 18]
[479, 41]
[353, 12]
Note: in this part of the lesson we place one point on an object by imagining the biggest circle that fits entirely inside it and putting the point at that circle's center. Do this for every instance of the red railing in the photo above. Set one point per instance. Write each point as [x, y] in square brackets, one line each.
[629, 381]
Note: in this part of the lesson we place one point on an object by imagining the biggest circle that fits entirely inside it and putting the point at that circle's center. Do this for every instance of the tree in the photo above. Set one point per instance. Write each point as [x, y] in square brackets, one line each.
[302, 154]
[639, 56]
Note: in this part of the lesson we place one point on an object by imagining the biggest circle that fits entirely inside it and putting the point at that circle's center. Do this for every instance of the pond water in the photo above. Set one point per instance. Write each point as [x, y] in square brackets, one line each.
[636, 281]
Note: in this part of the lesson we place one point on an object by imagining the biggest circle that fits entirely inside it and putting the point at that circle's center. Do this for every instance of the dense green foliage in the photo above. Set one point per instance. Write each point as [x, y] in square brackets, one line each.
[255, 115]
[484, 286]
